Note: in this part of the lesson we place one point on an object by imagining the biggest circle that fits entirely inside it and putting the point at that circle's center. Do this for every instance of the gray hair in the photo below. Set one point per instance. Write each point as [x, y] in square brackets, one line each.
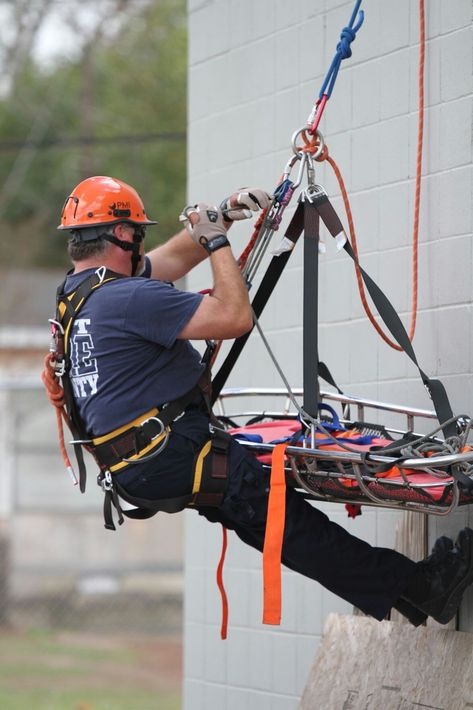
[80, 251]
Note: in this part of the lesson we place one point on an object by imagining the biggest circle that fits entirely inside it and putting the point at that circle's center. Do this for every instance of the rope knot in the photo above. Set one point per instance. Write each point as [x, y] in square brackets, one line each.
[346, 38]
[324, 154]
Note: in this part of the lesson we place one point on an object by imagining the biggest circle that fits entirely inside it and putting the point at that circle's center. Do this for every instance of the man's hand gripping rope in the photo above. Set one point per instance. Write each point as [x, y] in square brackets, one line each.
[242, 204]
[206, 223]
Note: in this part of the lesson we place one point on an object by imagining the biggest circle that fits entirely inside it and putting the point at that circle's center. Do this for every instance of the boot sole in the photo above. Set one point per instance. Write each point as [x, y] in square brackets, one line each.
[452, 603]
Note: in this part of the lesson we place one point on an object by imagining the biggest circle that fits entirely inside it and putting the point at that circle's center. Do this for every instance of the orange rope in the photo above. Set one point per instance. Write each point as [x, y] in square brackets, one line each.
[56, 396]
[420, 141]
[361, 288]
[220, 584]
[312, 145]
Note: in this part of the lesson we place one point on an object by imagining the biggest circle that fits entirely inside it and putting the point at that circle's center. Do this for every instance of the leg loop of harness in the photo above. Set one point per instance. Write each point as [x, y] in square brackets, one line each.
[210, 482]
[143, 508]
[145, 438]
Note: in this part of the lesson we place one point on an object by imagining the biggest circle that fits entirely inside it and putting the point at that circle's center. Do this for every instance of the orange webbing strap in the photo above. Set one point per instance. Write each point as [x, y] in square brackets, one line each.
[273, 538]
[223, 594]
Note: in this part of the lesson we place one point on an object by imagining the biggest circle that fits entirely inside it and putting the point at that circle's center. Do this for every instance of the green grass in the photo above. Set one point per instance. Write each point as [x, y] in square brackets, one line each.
[87, 700]
[66, 671]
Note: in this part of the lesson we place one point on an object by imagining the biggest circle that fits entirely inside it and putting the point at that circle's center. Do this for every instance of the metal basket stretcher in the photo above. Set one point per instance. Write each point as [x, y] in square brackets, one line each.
[425, 483]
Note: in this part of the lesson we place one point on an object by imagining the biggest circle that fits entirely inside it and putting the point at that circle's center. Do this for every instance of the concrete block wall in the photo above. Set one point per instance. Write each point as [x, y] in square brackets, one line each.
[255, 69]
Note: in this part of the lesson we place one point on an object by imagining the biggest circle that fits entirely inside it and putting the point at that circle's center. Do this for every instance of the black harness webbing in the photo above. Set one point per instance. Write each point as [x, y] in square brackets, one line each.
[67, 308]
[310, 372]
[130, 442]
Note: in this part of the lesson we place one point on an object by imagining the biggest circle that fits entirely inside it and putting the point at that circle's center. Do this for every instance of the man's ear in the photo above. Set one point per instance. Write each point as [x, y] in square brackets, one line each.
[120, 231]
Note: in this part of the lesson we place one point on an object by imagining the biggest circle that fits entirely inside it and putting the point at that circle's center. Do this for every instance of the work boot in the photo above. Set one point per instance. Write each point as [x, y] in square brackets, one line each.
[441, 579]
[415, 616]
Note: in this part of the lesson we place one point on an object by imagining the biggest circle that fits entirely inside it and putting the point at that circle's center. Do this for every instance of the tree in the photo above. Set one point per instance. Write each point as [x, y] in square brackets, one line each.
[106, 112]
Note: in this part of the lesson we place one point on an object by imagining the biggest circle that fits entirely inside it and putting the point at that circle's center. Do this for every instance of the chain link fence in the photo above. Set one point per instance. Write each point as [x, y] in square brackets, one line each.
[59, 567]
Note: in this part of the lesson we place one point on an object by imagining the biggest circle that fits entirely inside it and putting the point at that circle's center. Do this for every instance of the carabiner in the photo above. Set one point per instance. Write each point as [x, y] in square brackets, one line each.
[304, 163]
[160, 448]
[289, 165]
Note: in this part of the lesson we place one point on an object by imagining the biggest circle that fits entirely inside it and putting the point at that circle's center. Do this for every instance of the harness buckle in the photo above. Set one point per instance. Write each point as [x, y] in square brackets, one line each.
[314, 191]
[57, 347]
[105, 481]
[59, 367]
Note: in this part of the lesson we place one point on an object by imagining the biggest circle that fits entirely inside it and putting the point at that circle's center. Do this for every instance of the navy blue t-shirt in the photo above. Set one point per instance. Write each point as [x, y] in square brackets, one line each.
[125, 358]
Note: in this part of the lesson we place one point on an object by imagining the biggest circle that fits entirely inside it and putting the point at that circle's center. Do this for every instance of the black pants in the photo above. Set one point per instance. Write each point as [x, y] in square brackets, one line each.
[370, 578]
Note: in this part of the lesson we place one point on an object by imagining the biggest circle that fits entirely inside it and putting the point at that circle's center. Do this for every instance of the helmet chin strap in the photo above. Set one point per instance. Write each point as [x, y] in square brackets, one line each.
[134, 247]
[93, 233]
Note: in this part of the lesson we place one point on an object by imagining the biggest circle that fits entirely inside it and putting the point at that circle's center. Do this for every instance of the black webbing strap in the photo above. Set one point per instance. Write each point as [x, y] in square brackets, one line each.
[143, 508]
[214, 471]
[311, 310]
[326, 375]
[268, 283]
[73, 302]
[390, 317]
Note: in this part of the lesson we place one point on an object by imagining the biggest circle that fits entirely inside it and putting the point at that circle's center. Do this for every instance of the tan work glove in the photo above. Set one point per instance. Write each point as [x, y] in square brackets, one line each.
[243, 203]
[206, 227]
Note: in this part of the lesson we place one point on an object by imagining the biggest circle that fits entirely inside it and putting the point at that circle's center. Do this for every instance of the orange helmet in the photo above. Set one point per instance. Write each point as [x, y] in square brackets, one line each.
[102, 200]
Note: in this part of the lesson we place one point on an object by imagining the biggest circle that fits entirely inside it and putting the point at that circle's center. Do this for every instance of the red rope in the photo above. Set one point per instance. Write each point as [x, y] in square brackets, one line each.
[247, 250]
[223, 594]
[56, 396]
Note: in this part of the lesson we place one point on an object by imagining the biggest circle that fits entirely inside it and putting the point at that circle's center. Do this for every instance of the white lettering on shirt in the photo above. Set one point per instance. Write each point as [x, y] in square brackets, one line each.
[84, 371]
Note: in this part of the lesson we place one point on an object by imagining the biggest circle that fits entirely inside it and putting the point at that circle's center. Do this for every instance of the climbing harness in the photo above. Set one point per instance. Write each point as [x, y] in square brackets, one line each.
[136, 442]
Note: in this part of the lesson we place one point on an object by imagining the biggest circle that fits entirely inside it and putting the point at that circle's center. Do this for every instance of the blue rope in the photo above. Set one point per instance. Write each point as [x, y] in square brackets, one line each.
[347, 36]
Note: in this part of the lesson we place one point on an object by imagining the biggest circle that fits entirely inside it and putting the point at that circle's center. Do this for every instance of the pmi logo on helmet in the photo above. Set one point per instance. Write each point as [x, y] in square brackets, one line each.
[120, 209]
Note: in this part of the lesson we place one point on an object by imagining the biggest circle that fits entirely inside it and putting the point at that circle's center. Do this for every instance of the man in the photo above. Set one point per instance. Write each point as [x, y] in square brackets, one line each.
[126, 334]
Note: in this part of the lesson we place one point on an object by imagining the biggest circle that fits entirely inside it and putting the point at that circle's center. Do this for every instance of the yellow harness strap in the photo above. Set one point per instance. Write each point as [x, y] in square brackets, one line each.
[126, 427]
